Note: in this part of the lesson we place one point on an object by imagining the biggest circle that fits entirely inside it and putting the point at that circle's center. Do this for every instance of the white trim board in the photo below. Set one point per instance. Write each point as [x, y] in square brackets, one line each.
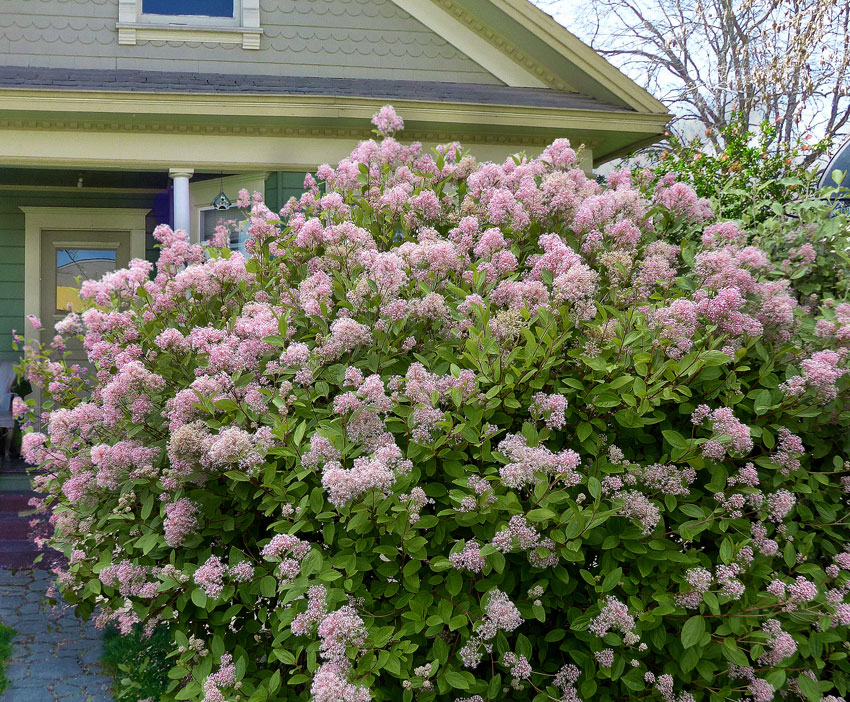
[468, 42]
[37, 219]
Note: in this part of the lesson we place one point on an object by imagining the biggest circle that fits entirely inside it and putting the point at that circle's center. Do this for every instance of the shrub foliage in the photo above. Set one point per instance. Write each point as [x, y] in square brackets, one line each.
[745, 177]
[460, 431]
[773, 197]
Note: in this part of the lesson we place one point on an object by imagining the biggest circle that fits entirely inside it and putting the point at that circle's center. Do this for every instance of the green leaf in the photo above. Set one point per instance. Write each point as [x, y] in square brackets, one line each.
[268, 586]
[714, 358]
[456, 680]
[762, 402]
[612, 579]
[147, 506]
[693, 631]
[199, 598]
[594, 487]
[540, 515]
[675, 439]
[454, 582]
[494, 689]
[299, 433]
[733, 654]
[584, 430]
[809, 688]
[317, 500]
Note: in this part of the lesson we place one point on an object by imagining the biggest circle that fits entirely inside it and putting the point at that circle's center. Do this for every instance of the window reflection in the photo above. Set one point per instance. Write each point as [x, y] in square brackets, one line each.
[74, 265]
[204, 8]
[235, 221]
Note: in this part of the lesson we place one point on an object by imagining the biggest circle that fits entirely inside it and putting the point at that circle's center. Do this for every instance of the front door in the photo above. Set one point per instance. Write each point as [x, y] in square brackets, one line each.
[68, 257]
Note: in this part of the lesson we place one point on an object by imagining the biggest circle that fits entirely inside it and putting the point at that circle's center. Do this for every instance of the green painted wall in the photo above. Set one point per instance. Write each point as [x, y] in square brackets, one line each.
[310, 38]
[12, 246]
[281, 186]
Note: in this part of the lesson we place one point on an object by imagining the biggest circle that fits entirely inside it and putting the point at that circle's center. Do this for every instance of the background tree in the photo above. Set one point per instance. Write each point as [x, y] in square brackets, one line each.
[785, 61]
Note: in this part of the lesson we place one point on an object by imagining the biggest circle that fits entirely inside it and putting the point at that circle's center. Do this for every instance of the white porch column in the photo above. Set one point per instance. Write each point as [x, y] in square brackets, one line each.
[182, 204]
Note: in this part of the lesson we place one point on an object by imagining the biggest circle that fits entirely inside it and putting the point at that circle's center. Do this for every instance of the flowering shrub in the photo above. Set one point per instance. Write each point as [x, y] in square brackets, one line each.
[460, 431]
[743, 172]
[772, 195]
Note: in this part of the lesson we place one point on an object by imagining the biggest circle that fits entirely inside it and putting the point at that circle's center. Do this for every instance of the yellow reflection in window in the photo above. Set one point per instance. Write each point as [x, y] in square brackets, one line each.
[75, 265]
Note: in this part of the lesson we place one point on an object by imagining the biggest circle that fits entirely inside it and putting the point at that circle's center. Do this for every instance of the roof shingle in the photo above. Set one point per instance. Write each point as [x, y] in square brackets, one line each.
[238, 84]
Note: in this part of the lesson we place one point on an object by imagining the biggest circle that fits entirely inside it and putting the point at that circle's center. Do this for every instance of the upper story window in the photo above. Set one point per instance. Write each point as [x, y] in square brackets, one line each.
[194, 8]
[213, 21]
[218, 13]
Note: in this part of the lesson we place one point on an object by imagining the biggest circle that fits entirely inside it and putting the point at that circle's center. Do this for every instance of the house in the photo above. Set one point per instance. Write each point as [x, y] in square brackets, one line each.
[118, 115]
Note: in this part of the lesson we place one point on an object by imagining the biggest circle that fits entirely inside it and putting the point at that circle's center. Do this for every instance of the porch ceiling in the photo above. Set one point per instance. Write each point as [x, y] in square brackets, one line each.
[92, 179]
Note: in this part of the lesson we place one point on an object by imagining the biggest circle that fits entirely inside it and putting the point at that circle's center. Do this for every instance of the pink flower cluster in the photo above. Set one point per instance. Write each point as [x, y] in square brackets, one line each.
[540, 550]
[236, 447]
[130, 580]
[528, 465]
[129, 391]
[519, 665]
[820, 373]
[726, 577]
[700, 581]
[483, 494]
[469, 558]
[416, 500]
[724, 425]
[614, 615]
[375, 472]
[122, 283]
[338, 632]
[225, 676]
[551, 408]
[387, 121]
[632, 504]
[211, 574]
[500, 614]
[782, 644]
[181, 521]
[291, 549]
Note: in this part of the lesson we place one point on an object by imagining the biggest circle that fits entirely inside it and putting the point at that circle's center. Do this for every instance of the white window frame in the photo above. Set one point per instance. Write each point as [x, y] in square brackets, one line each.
[202, 193]
[223, 214]
[243, 28]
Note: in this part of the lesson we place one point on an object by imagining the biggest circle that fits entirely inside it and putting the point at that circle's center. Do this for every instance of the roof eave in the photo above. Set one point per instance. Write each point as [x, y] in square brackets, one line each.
[606, 132]
[549, 31]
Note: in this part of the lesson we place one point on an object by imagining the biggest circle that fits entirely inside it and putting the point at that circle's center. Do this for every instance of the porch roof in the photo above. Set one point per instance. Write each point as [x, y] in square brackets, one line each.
[243, 84]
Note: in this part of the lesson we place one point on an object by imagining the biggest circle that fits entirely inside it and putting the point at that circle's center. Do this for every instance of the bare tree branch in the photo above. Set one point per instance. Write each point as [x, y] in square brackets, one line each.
[786, 61]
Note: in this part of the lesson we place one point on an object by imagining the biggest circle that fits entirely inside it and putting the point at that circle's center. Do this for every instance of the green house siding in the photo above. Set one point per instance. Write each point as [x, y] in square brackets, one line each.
[318, 38]
[12, 235]
[281, 186]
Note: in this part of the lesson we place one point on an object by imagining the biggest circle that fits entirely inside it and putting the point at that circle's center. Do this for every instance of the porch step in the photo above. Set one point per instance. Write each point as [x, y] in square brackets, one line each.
[13, 466]
[15, 482]
[17, 549]
[15, 502]
[12, 528]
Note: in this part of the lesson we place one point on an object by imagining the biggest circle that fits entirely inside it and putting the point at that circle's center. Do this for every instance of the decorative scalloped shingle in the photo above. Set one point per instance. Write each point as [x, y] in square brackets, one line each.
[324, 38]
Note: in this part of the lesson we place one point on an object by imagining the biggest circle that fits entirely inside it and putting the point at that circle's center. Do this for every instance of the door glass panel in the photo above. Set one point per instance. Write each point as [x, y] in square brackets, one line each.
[82, 264]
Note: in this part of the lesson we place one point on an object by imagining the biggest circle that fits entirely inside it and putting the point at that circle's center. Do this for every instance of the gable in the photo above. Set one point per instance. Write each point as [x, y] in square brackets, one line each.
[539, 51]
[317, 38]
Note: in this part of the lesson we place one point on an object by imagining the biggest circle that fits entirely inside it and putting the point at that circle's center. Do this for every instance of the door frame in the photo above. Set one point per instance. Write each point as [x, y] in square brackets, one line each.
[37, 219]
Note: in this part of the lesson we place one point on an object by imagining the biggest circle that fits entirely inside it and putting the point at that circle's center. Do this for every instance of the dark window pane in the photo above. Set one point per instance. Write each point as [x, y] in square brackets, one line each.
[85, 264]
[204, 8]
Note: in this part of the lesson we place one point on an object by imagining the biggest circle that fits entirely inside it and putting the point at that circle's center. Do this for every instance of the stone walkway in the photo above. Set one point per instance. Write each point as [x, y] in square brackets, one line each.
[54, 655]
